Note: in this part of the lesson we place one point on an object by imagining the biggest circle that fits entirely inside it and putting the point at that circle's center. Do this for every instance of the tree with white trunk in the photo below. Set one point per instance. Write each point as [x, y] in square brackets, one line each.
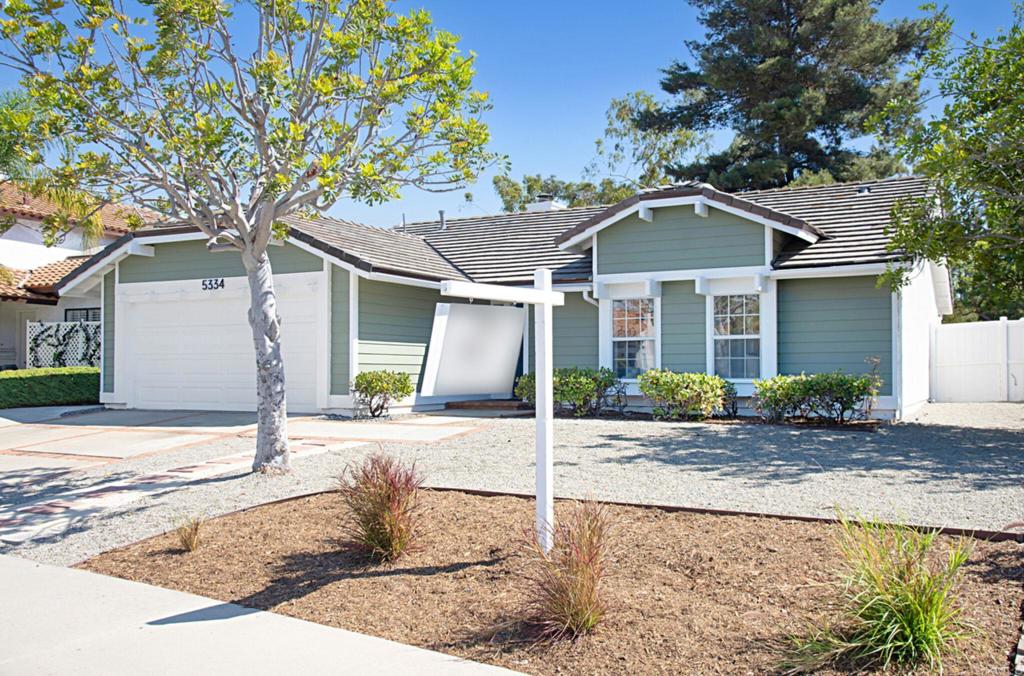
[227, 116]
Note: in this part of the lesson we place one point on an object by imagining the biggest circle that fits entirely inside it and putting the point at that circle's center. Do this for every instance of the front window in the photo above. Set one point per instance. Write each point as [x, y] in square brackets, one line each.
[632, 336]
[737, 332]
[82, 314]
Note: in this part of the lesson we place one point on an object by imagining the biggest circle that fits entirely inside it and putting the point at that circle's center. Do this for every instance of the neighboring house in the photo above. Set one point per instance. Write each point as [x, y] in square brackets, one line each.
[685, 277]
[27, 293]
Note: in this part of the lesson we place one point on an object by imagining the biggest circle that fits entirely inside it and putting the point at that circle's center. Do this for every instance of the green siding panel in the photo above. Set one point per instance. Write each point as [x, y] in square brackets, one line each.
[175, 261]
[678, 239]
[395, 322]
[683, 328]
[575, 333]
[108, 332]
[340, 376]
[830, 324]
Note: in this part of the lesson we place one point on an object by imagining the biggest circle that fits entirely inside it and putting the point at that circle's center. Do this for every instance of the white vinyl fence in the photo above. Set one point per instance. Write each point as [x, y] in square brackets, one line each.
[63, 344]
[978, 361]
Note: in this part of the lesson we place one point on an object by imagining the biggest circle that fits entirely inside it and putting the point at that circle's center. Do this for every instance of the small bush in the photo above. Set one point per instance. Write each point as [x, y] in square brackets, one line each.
[566, 596]
[899, 602]
[64, 386]
[382, 496]
[730, 402]
[841, 397]
[780, 397]
[377, 389]
[683, 395]
[581, 391]
[188, 532]
[836, 397]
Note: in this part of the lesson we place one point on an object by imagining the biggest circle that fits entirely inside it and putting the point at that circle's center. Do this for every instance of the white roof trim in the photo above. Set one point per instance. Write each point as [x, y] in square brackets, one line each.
[683, 201]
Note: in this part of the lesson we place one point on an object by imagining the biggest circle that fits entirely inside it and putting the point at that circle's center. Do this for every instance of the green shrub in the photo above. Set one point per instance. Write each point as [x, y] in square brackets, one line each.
[841, 397]
[837, 397]
[899, 602]
[730, 403]
[62, 386]
[565, 584]
[382, 496]
[780, 397]
[581, 391]
[682, 395]
[377, 389]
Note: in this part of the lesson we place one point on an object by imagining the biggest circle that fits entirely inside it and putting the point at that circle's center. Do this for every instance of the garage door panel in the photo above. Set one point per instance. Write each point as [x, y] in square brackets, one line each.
[197, 353]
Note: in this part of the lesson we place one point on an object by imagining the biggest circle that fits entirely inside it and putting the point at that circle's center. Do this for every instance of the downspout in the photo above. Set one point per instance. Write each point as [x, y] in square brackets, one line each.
[590, 299]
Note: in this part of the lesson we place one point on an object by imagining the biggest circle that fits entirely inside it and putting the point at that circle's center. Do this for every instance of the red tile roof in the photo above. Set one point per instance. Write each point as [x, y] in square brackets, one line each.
[37, 286]
[17, 201]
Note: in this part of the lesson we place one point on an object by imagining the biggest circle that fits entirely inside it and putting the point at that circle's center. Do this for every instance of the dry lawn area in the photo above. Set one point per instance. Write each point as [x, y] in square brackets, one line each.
[690, 593]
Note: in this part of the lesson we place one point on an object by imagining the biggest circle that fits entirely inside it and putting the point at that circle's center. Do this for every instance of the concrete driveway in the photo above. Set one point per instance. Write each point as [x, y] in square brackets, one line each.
[59, 468]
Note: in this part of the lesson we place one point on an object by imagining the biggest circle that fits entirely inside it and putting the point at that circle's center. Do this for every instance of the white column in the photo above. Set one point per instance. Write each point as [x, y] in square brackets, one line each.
[544, 356]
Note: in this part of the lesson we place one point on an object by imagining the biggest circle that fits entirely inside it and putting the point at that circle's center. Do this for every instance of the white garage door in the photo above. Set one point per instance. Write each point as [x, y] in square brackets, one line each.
[192, 349]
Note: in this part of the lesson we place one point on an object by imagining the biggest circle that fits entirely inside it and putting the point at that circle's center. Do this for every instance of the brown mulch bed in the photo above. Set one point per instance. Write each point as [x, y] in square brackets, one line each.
[690, 593]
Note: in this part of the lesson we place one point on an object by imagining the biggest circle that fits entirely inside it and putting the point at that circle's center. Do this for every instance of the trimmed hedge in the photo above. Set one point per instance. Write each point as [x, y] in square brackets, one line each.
[684, 395]
[579, 390]
[62, 386]
[836, 397]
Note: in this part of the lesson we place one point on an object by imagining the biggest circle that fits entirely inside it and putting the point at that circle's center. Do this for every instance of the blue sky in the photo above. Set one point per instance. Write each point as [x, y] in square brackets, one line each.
[552, 67]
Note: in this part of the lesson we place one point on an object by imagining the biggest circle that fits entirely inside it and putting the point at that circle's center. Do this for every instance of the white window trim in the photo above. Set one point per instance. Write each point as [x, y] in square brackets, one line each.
[606, 348]
[767, 304]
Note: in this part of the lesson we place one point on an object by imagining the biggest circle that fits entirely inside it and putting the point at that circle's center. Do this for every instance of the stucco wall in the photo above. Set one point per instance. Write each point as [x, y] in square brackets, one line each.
[834, 323]
[678, 239]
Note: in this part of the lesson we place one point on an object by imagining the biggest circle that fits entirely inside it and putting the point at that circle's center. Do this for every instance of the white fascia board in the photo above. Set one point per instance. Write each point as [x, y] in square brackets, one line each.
[163, 239]
[683, 201]
[681, 275]
[832, 271]
[495, 292]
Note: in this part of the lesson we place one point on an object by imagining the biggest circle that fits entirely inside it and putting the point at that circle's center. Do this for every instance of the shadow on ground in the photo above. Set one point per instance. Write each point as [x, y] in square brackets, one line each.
[981, 458]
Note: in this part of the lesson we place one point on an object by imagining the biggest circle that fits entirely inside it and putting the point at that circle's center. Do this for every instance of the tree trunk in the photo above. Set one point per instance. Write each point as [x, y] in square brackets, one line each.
[272, 422]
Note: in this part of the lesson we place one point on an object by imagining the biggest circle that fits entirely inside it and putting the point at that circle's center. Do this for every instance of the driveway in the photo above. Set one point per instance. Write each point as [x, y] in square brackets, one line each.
[59, 472]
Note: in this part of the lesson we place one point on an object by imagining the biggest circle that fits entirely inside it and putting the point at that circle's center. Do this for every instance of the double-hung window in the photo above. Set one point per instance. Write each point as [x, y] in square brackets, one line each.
[737, 336]
[633, 336]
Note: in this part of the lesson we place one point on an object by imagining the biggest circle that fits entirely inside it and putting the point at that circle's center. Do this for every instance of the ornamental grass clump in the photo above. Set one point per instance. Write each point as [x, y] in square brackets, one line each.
[188, 531]
[382, 496]
[899, 602]
[566, 593]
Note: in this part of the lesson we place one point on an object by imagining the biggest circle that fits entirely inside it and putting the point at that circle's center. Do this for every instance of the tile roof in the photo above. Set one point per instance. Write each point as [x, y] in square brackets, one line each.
[854, 217]
[16, 201]
[507, 248]
[38, 285]
[372, 248]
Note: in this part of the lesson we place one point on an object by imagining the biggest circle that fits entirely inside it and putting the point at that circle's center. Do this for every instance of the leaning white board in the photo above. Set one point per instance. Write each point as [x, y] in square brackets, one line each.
[474, 350]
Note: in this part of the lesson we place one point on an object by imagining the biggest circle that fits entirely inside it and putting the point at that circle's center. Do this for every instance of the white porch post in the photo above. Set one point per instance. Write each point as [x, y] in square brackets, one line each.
[544, 355]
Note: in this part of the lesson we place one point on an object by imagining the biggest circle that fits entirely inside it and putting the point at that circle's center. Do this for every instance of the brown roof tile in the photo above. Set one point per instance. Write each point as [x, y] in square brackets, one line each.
[16, 201]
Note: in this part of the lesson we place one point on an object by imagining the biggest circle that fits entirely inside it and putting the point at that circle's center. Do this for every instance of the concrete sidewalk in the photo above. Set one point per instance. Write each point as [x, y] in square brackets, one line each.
[62, 621]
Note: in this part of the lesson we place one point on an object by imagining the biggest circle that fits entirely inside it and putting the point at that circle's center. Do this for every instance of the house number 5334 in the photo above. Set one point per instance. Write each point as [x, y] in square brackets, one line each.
[213, 284]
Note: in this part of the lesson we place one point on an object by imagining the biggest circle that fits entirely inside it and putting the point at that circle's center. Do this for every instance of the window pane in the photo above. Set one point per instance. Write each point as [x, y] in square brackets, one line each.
[722, 367]
[721, 326]
[721, 305]
[752, 325]
[736, 326]
[619, 328]
[753, 369]
[735, 305]
[753, 347]
[645, 326]
[751, 304]
[722, 348]
[645, 355]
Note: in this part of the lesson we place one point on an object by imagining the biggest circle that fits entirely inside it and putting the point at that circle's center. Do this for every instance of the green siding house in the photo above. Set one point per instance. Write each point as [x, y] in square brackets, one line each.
[686, 277]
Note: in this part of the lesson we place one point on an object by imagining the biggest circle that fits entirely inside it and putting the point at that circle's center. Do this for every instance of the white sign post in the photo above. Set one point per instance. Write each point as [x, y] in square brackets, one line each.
[543, 297]
[543, 314]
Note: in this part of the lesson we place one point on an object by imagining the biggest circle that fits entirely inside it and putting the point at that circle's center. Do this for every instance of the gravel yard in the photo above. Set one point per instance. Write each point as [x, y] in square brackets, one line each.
[942, 473]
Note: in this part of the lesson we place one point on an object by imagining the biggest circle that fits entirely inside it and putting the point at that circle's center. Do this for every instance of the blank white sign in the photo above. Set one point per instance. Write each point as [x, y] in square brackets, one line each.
[474, 350]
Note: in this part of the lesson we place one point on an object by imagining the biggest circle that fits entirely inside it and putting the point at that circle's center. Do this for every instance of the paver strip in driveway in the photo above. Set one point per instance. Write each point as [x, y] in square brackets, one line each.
[40, 453]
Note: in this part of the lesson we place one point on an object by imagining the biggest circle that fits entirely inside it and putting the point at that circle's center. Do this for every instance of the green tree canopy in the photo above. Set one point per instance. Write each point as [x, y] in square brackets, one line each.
[795, 81]
[227, 115]
[515, 195]
[973, 151]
